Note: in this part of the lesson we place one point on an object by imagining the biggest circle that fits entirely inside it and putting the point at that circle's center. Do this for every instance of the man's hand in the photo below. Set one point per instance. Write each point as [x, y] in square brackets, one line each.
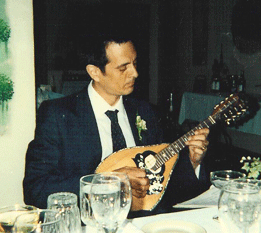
[198, 146]
[139, 181]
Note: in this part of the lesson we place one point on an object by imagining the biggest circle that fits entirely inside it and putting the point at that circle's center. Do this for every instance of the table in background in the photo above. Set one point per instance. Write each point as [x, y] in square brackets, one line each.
[197, 107]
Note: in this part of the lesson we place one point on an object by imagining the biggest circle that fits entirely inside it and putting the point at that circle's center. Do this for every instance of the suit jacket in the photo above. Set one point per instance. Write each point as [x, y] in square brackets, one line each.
[67, 146]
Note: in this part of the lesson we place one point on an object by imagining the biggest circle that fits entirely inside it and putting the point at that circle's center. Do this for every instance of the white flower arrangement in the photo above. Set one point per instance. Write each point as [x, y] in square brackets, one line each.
[141, 125]
[252, 166]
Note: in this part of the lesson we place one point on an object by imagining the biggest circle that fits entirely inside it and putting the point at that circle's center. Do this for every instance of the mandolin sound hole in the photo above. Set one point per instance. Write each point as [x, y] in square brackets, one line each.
[147, 160]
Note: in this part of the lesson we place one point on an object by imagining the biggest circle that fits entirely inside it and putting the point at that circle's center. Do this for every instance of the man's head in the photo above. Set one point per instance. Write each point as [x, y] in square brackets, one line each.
[96, 54]
[113, 69]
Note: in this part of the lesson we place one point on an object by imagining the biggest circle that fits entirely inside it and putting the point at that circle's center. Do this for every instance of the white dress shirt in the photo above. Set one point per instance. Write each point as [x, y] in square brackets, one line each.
[100, 106]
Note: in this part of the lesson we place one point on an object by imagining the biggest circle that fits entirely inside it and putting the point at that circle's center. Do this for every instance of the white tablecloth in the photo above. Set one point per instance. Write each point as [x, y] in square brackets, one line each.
[202, 217]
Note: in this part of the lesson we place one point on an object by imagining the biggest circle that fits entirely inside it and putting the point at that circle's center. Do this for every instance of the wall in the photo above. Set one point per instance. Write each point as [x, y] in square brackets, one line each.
[21, 123]
[218, 32]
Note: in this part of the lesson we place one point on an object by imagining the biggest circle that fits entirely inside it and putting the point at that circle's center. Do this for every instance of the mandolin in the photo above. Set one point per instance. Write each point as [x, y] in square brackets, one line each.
[160, 160]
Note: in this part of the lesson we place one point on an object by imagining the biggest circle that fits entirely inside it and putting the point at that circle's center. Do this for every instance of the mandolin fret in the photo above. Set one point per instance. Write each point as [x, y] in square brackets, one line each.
[175, 147]
[159, 158]
[167, 154]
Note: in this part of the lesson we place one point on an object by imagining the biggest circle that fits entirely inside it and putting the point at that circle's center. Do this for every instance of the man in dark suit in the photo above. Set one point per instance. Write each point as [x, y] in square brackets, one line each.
[73, 134]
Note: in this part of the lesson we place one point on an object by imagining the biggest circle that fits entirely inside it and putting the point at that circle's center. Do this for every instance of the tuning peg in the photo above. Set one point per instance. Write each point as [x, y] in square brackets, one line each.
[228, 121]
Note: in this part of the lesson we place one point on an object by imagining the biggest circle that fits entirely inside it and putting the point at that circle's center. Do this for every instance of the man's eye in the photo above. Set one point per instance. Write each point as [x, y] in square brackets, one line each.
[122, 68]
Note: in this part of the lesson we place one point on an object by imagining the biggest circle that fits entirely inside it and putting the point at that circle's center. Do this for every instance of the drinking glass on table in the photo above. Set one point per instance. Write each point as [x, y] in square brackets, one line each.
[87, 216]
[40, 221]
[66, 204]
[239, 206]
[105, 201]
[125, 195]
[222, 177]
[8, 215]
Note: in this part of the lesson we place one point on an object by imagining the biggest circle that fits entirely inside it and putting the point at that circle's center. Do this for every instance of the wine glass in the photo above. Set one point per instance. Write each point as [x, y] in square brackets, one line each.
[40, 221]
[8, 215]
[222, 177]
[105, 201]
[87, 216]
[125, 195]
[239, 206]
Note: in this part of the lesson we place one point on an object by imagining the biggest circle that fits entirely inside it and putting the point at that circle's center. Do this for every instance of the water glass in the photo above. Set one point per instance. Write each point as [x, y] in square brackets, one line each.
[105, 201]
[66, 204]
[8, 215]
[125, 195]
[40, 221]
[87, 216]
[239, 206]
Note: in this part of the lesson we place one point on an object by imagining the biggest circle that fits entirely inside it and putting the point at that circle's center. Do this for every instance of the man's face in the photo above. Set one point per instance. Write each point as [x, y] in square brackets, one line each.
[120, 72]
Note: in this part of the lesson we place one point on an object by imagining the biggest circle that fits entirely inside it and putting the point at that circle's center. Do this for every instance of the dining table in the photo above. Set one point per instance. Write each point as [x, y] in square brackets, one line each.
[202, 217]
[197, 220]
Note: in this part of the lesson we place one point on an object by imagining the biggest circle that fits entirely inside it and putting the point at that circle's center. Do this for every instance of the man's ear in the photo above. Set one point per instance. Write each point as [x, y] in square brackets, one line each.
[94, 72]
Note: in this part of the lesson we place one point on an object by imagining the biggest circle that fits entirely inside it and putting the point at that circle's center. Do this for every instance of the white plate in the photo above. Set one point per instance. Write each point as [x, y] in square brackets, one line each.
[172, 226]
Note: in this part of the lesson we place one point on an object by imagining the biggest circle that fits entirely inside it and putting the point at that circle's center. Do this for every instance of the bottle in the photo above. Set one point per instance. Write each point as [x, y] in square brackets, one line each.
[241, 84]
[215, 84]
[224, 71]
[172, 128]
[233, 83]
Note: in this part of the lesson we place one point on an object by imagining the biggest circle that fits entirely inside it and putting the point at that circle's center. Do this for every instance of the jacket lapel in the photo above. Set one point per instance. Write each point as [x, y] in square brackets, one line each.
[88, 122]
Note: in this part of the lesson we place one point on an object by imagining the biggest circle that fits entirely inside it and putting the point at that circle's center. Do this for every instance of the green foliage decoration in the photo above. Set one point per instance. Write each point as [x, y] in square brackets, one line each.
[5, 31]
[6, 88]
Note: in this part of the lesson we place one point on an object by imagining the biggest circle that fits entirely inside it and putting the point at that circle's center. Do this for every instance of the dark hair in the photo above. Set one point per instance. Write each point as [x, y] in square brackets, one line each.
[95, 51]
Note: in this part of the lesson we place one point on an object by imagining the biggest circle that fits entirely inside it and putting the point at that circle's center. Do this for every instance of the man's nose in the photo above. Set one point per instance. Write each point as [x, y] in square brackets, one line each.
[134, 71]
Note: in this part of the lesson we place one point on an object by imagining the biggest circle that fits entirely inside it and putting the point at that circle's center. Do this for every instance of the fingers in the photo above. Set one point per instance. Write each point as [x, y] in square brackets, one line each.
[138, 179]
[198, 144]
[199, 140]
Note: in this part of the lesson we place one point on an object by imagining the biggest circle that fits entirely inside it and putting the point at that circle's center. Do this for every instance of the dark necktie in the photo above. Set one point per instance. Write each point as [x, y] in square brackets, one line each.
[118, 139]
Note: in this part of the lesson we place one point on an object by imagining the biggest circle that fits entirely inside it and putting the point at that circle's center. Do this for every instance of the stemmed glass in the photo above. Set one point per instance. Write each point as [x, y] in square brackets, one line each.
[40, 221]
[125, 195]
[87, 216]
[222, 177]
[239, 205]
[105, 201]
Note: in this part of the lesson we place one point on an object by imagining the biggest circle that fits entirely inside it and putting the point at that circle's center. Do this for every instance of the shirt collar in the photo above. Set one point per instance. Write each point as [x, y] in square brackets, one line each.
[99, 105]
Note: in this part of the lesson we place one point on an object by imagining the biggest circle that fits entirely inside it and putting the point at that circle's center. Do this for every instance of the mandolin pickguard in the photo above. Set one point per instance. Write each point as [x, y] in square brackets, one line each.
[156, 178]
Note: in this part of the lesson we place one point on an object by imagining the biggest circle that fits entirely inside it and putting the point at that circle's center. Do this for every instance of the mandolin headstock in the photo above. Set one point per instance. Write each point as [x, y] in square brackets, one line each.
[231, 109]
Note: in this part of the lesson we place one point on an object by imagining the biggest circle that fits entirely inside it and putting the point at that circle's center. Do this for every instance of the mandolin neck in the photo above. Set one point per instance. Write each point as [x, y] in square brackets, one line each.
[175, 147]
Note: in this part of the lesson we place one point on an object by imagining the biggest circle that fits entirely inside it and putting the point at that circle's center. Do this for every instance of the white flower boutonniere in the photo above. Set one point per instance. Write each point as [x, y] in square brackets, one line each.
[252, 166]
[141, 125]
